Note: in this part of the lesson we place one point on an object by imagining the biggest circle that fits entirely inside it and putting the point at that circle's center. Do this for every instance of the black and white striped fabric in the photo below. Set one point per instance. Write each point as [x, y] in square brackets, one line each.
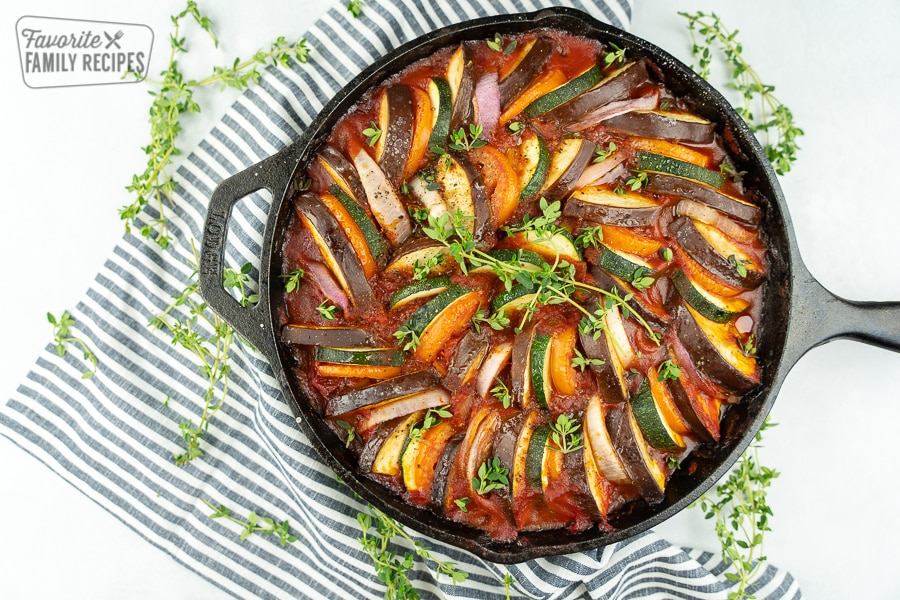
[113, 436]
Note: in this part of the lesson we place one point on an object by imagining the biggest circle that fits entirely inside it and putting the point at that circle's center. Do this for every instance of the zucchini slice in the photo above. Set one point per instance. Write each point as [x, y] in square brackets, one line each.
[622, 264]
[523, 473]
[531, 261]
[534, 459]
[377, 245]
[420, 250]
[564, 93]
[536, 160]
[387, 461]
[441, 318]
[603, 205]
[383, 357]
[539, 363]
[645, 472]
[650, 420]
[560, 245]
[357, 371]
[714, 308]
[426, 288]
[648, 161]
[442, 107]
[513, 299]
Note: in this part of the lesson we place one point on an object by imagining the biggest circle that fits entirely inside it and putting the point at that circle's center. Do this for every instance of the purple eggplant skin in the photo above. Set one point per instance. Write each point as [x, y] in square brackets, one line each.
[439, 500]
[657, 125]
[396, 387]
[332, 337]
[608, 90]
[463, 112]
[620, 426]
[605, 373]
[607, 282]
[706, 357]
[687, 235]
[688, 410]
[370, 451]
[399, 133]
[563, 186]
[342, 166]
[610, 215]
[467, 357]
[479, 197]
[333, 235]
[671, 185]
[526, 71]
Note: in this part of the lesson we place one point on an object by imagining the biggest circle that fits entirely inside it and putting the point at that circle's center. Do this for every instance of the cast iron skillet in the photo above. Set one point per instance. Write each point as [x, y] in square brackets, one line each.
[798, 314]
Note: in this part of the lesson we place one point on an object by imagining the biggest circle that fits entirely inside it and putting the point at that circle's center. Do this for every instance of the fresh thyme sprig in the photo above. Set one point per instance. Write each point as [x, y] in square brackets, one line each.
[62, 335]
[492, 475]
[210, 339]
[563, 434]
[393, 570]
[742, 513]
[266, 527]
[772, 119]
[292, 280]
[174, 98]
[462, 142]
[501, 393]
[552, 283]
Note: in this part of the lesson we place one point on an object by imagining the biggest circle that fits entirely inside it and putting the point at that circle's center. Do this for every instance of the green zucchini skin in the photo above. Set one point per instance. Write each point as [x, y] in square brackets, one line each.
[534, 461]
[564, 93]
[441, 130]
[648, 161]
[419, 289]
[381, 357]
[540, 374]
[649, 420]
[539, 174]
[701, 304]
[426, 313]
[377, 244]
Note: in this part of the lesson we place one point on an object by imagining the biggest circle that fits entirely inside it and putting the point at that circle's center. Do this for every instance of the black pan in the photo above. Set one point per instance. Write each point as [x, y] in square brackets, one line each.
[797, 315]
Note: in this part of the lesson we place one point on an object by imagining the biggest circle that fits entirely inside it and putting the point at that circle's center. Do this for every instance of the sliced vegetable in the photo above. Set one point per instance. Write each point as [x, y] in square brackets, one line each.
[718, 254]
[421, 457]
[441, 318]
[439, 499]
[627, 240]
[712, 217]
[376, 440]
[648, 306]
[567, 163]
[666, 148]
[534, 157]
[397, 123]
[486, 104]
[564, 93]
[667, 125]
[359, 229]
[646, 102]
[387, 461]
[342, 171]
[461, 77]
[534, 459]
[383, 201]
[500, 180]
[384, 391]
[357, 371]
[645, 473]
[610, 371]
[420, 250]
[317, 335]
[715, 350]
[560, 245]
[657, 163]
[539, 366]
[544, 84]
[496, 359]
[603, 205]
[442, 107]
[532, 58]
[386, 357]
[597, 173]
[622, 264]
[513, 299]
[464, 193]
[618, 85]
[429, 196]
[403, 406]
[520, 474]
[520, 369]
[477, 445]
[714, 308]
[596, 437]
[336, 249]
[701, 413]
[562, 349]
[596, 482]
[466, 360]
[660, 183]
[422, 131]
[668, 410]
[324, 278]
[531, 261]
[650, 421]
[425, 288]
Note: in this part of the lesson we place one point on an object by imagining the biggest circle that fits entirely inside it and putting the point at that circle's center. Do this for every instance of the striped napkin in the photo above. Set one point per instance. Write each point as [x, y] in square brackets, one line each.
[113, 436]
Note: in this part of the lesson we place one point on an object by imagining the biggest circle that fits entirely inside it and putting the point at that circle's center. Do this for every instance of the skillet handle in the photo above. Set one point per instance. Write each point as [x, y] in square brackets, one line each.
[252, 322]
[820, 316]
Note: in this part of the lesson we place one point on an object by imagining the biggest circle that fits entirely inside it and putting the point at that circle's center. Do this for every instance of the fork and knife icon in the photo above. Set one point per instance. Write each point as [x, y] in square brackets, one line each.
[114, 40]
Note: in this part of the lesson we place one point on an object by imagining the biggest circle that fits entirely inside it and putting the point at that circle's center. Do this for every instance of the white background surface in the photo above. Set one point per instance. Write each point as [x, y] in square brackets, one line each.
[70, 152]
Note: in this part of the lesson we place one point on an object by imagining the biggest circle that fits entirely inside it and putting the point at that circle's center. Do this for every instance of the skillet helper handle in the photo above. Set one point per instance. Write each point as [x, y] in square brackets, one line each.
[251, 322]
[821, 316]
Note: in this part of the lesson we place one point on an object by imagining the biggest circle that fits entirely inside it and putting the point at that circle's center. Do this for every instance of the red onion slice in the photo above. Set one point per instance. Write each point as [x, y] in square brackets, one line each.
[713, 218]
[322, 276]
[595, 172]
[614, 109]
[487, 104]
